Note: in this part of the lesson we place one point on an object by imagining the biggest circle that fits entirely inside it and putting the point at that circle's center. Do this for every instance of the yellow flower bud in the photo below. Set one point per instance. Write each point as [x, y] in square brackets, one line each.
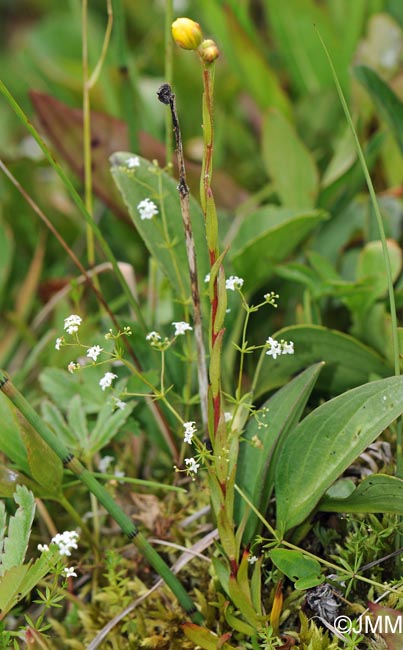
[209, 51]
[187, 33]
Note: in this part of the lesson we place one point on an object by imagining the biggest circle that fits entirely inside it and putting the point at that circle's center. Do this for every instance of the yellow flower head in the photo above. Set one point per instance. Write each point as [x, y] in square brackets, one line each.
[187, 33]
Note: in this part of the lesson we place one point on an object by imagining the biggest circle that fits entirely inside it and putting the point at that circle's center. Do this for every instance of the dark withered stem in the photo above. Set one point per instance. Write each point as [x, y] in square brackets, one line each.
[166, 96]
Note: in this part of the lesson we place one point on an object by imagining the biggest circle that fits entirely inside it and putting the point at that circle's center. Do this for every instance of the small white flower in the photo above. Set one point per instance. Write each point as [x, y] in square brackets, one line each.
[104, 464]
[147, 209]
[287, 348]
[181, 327]
[190, 430]
[119, 404]
[43, 548]
[274, 349]
[69, 572]
[252, 559]
[227, 416]
[192, 466]
[59, 342]
[207, 277]
[72, 323]
[107, 380]
[72, 367]
[133, 161]
[233, 282]
[66, 541]
[94, 352]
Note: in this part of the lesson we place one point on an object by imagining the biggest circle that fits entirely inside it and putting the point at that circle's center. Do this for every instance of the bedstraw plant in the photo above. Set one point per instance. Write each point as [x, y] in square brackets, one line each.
[227, 410]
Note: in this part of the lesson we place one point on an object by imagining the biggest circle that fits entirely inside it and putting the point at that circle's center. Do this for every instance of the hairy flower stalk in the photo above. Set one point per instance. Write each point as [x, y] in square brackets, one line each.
[126, 524]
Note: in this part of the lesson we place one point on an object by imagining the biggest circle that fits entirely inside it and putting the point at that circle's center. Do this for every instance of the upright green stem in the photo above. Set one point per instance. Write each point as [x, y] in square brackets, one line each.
[126, 524]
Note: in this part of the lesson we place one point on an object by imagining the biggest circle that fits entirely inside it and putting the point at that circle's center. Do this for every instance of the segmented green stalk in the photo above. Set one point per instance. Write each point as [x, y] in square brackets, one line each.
[126, 524]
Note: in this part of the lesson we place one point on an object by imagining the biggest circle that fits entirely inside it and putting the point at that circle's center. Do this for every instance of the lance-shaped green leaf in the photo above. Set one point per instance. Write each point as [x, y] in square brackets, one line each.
[289, 163]
[387, 103]
[279, 414]
[167, 246]
[377, 493]
[327, 441]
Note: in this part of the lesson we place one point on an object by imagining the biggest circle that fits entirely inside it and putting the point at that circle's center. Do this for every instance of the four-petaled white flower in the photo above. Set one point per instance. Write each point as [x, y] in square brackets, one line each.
[190, 430]
[277, 348]
[192, 466]
[66, 541]
[227, 416]
[72, 323]
[147, 209]
[43, 548]
[233, 282]
[181, 327]
[107, 380]
[207, 277]
[72, 367]
[69, 572]
[252, 559]
[59, 342]
[94, 352]
[133, 161]
[119, 404]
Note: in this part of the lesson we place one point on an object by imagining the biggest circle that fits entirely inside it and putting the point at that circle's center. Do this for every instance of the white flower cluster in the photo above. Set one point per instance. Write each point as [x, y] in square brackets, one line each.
[234, 282]
[190, 430]
[107, 379]
[191, 465]
[64, 541]
[72, 323]
[147, 209]
[94, 352]
[277, 348]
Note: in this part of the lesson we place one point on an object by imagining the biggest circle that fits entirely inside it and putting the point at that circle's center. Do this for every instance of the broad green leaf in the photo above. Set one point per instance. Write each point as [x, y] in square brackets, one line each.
[77, 422]
[19, 529]
[10, 438]
[348, 363]
[304, 571]
[44, 464]
[289, 163]
[344, 157]
[387, 103]
[377, 493]
[327, 441]
[255, 472]
[166, 246]
[267, 237]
